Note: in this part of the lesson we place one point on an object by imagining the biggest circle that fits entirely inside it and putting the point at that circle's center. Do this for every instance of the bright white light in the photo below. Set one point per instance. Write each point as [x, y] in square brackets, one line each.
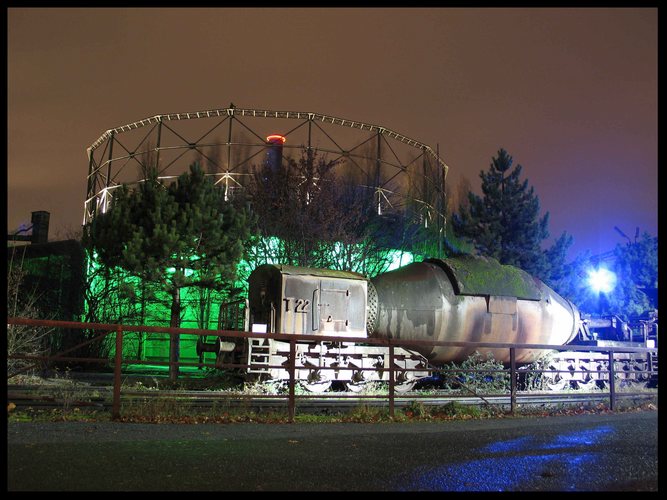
[601, 280]
[259, 328]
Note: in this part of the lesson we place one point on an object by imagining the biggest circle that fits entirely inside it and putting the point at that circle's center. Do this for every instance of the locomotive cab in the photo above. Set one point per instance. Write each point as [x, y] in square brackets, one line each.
[307, 301]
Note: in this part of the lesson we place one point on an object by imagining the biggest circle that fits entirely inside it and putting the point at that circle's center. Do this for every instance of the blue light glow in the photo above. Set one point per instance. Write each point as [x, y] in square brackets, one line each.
[601, 280]
[507, 446]
[578, 438]
[517, 473]
[516, 465]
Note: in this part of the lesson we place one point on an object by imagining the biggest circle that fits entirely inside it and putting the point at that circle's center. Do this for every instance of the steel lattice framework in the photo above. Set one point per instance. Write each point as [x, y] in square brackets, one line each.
[395, 169]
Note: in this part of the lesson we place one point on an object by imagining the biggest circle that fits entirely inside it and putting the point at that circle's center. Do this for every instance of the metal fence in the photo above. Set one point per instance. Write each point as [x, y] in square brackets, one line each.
[102, 330]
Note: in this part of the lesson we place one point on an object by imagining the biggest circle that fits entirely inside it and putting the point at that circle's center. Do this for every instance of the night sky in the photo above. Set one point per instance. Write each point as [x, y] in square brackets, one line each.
[570, 93]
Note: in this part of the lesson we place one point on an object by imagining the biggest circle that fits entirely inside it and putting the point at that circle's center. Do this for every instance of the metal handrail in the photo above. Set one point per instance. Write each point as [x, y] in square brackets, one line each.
[119, 329]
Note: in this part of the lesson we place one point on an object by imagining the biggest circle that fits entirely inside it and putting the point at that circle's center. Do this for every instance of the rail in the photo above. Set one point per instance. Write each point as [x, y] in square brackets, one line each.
[103, 329]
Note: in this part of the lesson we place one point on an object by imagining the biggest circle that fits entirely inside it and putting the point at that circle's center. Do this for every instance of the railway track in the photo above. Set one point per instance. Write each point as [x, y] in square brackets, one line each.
[100, 398]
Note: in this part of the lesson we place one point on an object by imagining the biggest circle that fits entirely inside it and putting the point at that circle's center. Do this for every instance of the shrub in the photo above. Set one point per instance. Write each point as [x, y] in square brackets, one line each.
[477, 375]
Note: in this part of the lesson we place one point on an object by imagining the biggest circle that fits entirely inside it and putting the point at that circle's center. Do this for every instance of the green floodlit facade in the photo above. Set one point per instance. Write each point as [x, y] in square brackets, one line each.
[128, 300]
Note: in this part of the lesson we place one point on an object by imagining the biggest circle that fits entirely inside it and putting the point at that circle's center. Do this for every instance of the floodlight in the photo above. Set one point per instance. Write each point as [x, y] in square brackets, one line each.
[601, 280]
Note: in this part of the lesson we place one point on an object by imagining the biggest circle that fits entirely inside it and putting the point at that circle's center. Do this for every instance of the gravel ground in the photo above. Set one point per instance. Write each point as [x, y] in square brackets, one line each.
[591, 452]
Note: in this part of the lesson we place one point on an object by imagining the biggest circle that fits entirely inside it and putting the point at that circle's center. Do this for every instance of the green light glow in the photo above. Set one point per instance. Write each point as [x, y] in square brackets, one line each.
[187, 271]
[399, 258]
[127, 300]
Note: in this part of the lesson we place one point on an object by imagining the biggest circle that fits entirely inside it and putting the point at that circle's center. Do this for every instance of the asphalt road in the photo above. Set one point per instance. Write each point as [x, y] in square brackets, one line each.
[607, 452]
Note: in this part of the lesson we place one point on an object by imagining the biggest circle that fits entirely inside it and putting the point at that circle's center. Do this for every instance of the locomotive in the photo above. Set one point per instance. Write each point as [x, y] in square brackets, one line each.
[587, 370]
[459, 299]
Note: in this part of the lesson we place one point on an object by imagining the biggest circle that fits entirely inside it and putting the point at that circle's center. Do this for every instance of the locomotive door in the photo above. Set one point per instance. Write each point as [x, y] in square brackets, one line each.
[331, 313]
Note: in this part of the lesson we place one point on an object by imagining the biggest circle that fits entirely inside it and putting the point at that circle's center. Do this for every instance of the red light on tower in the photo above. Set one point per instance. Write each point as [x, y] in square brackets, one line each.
[276, 139]
[274, 155]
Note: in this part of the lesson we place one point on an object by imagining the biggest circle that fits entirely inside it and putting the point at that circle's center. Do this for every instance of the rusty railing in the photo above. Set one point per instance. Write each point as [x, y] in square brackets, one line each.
[118, 360]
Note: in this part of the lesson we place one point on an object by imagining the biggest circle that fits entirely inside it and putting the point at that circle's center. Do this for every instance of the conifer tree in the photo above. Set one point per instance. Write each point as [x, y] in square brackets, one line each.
[505, 222]
[180, 235]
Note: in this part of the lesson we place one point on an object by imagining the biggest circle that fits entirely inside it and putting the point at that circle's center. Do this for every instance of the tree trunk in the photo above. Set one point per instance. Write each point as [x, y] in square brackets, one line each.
[174, 339]
[142, 321]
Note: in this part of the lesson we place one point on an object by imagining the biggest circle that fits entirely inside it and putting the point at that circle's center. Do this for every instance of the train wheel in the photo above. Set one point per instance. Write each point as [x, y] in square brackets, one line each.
[623, 375]
[588, 385]
[405, 386]
[356, 387]
[317, 387]
[358, 382]
[405, 382]
[316, 382]
[641, 376]
[555, 381]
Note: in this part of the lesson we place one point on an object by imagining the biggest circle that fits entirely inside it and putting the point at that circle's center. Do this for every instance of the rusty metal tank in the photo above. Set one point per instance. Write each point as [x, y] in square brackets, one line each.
[469, 299]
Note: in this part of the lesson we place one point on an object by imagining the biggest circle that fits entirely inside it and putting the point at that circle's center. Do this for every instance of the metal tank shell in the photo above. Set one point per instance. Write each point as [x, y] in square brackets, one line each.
[471, 299]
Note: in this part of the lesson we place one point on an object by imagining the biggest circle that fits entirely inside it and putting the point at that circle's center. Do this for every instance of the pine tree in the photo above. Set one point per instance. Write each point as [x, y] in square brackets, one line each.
[505, 222]
[180, 235]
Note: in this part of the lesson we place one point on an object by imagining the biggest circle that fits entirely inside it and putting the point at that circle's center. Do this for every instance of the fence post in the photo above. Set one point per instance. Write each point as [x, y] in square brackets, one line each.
[391, 381]
[292, 380]
[612, 382]
[115, 409]
[512, 380]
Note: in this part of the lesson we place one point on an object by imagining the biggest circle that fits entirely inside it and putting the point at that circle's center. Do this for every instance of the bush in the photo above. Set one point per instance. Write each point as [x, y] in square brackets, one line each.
[22, 339]
[417, 409]
[477, 375]
[455, 409]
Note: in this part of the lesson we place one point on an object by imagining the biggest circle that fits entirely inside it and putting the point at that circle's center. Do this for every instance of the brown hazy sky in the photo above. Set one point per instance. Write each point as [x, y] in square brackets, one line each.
[570, 93]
